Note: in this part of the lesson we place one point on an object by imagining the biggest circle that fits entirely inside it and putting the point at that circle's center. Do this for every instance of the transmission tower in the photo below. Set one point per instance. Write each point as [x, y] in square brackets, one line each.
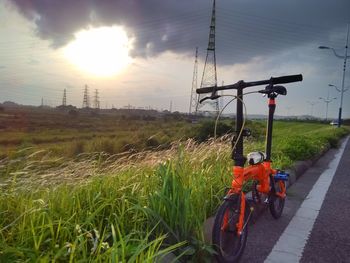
[86, 101]
[221, 100]
[96, 100]
[209, 77]
[193, 99]
[64, 100]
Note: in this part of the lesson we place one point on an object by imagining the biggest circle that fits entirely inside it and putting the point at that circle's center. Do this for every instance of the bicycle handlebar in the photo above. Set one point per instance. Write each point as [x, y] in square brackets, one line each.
[286, 79]
[241, 84]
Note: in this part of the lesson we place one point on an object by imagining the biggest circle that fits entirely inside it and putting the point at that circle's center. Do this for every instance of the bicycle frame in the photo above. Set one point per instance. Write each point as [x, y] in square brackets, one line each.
[232, 217]
[261, 172]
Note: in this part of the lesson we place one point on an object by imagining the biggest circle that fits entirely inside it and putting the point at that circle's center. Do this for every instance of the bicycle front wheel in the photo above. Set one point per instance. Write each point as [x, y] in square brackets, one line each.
[276, 200]
[228, 244]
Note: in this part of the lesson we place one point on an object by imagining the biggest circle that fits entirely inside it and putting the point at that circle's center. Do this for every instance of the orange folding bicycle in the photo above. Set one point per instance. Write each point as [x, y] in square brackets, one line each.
[230, 228]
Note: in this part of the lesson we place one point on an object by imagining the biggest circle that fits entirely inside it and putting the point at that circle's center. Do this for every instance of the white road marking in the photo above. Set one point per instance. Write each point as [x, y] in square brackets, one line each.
[290, 245]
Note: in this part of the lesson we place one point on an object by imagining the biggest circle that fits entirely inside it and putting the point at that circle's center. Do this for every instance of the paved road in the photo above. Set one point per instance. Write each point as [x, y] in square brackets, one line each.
[329, 240]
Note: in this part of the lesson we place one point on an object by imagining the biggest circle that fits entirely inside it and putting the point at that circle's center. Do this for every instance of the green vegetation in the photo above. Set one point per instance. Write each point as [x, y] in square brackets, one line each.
[65, 135]
[135, 207]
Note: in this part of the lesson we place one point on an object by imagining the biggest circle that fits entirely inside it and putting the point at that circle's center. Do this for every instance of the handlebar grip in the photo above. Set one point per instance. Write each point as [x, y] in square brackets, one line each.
[286, 79]
[204, 90]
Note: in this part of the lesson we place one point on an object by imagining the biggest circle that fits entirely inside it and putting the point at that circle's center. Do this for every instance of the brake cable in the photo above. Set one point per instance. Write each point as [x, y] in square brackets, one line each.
[244, 117]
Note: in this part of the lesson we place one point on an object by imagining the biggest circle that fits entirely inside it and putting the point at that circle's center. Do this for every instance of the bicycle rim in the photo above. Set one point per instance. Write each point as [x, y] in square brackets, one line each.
[228, 243]
[277, 202]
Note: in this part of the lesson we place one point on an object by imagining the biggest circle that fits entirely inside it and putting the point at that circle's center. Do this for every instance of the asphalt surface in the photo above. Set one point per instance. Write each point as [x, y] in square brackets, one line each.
[329, 240]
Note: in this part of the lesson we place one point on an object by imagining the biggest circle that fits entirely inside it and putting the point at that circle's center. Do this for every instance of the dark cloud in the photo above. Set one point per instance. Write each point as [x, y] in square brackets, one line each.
[245, 28]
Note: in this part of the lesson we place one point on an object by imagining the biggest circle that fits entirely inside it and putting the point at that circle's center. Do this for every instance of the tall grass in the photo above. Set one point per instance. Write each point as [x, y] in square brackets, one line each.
[130, 207]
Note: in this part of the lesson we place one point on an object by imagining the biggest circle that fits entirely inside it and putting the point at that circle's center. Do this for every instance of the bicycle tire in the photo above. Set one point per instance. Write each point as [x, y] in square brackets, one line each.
[227, 243]
[276, 203]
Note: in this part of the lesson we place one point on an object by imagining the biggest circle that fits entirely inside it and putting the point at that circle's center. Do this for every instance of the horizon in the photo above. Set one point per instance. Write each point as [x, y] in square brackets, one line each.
[149, 61]
[200, 114]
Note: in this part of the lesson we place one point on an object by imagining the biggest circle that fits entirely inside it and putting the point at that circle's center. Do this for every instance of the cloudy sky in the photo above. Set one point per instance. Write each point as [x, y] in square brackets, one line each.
[48, 46]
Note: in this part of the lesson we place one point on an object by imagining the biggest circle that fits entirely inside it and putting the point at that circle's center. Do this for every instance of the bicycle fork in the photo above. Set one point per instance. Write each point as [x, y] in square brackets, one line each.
[242, 223]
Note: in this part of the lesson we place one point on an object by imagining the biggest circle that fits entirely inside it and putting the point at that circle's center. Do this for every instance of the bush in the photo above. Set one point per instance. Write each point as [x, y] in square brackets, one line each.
[258, 129]
[206, 130]
[299, 147]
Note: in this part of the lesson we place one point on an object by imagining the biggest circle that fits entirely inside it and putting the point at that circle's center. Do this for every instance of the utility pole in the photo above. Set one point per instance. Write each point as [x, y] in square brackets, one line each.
[64, 100]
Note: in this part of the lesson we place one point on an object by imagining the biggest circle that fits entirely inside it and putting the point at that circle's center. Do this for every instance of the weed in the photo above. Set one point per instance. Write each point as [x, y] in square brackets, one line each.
[127, 207]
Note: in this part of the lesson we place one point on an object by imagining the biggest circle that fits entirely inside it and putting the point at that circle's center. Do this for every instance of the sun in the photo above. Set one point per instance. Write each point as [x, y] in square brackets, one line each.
[102, 51]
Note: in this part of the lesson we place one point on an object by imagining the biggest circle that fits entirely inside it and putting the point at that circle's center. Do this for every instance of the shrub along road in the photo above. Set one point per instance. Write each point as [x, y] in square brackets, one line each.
[303, 233]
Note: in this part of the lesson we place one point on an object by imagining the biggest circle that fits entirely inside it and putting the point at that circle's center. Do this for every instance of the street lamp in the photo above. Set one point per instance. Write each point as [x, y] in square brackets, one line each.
[336, 87]
[345, 57]
[312, 103]
[327, 101]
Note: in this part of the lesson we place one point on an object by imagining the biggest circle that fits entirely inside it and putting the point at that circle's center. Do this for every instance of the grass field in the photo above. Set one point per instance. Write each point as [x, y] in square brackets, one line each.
[134, 207]
[67, 135]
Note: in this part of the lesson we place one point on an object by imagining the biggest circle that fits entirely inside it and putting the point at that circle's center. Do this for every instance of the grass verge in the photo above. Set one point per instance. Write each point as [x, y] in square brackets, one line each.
[130, 208]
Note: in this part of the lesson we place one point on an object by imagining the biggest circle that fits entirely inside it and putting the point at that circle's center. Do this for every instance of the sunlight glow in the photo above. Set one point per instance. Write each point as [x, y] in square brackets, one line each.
[102, 51]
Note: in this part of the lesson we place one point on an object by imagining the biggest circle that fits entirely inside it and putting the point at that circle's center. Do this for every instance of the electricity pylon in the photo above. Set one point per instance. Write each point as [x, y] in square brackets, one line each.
[96, 100]
[86, 101]
[209, 77]
[64, 99]
[194, 99]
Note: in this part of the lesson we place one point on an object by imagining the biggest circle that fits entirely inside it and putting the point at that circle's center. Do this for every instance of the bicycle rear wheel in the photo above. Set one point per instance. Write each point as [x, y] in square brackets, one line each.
[228, 244]
[276, 201]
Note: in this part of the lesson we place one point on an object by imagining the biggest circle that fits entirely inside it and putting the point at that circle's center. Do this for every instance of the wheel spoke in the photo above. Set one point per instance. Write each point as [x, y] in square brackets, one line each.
[228, 243]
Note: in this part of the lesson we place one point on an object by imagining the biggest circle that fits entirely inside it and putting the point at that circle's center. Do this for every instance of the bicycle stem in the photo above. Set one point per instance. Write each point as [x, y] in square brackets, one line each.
[237, 153]
[268, 146]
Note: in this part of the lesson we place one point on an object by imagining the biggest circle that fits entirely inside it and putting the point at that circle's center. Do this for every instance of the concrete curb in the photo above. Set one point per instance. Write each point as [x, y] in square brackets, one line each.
[300, 167]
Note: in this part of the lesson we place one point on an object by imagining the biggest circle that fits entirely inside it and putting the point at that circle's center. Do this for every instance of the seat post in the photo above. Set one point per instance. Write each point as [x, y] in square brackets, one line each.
[272, 107]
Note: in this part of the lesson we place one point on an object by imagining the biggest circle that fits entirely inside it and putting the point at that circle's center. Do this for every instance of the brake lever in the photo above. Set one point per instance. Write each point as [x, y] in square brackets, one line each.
[202, 100]
[210, 98]
[263, 92]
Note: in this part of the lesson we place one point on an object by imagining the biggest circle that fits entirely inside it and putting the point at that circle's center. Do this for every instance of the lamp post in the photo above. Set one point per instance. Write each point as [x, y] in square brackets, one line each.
[327, 101]
[336, 87]
[312, 103]
[341, 92]
[345, 57]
